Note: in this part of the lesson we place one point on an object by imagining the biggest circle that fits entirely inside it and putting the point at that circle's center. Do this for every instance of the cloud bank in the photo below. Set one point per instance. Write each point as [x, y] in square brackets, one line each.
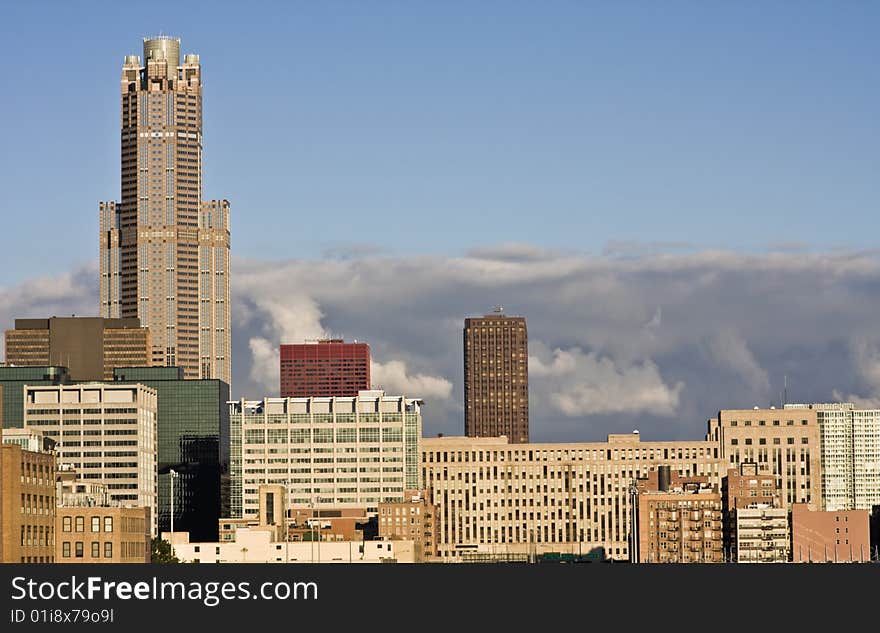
[655, 340]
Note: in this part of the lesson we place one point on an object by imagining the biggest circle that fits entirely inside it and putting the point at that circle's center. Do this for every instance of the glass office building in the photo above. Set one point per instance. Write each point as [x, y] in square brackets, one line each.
[12, 381]
[193, 440]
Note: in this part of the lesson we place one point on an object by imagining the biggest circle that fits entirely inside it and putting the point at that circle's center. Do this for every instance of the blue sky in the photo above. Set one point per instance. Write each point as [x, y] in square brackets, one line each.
[417, 127]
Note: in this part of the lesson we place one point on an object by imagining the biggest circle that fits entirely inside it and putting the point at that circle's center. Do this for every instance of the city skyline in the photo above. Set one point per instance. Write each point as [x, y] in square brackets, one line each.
[657, 332]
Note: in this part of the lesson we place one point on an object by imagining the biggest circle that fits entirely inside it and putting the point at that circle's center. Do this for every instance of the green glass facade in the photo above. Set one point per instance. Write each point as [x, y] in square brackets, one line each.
[193, 440]
[13, 380]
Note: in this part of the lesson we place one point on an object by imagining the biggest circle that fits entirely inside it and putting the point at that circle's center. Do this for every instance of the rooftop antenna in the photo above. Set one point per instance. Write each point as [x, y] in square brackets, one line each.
[498, 309]
[784, 389]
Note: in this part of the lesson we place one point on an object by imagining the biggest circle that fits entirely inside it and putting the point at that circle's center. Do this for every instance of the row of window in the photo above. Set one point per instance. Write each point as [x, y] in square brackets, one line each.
[78, 524]
[78, 549]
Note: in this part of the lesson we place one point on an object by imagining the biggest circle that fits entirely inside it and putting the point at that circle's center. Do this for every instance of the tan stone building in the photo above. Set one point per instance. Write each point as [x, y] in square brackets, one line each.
[164, 253]
[839, 536]
[102, 534]
[90, 347]
[783, 442]
[27, 503]
[413, 519]
[496, 377]
[679, 519]
[495, 498]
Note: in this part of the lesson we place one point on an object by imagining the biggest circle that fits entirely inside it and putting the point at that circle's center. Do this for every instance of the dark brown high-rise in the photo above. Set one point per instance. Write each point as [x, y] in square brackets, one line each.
[496, 377]
[90, 347]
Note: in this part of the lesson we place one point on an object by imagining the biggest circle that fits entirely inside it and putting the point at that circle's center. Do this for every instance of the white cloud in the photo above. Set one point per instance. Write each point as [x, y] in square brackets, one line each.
[576, 383]
[394, 378]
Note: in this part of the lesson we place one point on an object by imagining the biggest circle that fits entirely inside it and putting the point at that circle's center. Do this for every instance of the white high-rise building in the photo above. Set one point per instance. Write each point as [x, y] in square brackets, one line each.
[328, 452]
[850, 449]
[106, 432]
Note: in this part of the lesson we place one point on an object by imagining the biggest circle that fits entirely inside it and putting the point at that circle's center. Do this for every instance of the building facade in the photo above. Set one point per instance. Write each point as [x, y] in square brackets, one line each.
[679, 519]
[761, 534]
[850, 449]
[498, 498]
[324, 368]
[256, 545]
[413, 519]
[496, 377]
[328, 452]
[89, 347]
[106, 432]
[163, 252]
[27, 503]
[752, 509]
[839, 536]
[193, 440]
[782, 442]
[102, 534]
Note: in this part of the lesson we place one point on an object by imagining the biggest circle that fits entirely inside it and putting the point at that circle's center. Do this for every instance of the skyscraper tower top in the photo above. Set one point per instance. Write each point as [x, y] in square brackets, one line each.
[163, 47]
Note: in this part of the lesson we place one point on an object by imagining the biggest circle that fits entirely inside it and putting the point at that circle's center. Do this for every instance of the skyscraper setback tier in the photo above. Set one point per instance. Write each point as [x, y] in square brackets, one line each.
[325, 368]
[496, 377]
[164, 253]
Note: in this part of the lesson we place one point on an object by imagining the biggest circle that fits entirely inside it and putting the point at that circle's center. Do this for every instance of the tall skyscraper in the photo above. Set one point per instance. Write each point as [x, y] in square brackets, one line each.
[164, 253]
[496, 377]
[329, 367]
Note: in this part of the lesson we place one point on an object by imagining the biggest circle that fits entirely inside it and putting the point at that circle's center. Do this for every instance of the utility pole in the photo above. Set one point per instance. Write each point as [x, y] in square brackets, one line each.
[173, 474]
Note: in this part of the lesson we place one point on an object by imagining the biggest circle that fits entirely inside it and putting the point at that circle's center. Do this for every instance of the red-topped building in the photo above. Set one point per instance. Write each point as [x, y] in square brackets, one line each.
[329, 367]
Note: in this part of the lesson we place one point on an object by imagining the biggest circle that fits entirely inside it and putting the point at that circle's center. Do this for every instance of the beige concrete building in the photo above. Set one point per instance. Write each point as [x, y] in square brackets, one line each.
[341, 452]
[164, 253]
[496, 377]
[783, 442]
[496, 498]
[256, 545]
[301, 524]
[102, 534]
[106, 432]
[90, 347]
[679, 519]
[839, 536]
[27, 503]
[413, 519]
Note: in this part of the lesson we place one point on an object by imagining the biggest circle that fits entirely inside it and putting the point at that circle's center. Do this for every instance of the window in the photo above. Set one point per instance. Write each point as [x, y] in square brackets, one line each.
[108, 549]
[790, 440]
[78, 549]
[96, 549]
[805, 440]
[80, 524]
[108, 524]
[65, 548]
[96, 524]
[748, 441]
[65, 527]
